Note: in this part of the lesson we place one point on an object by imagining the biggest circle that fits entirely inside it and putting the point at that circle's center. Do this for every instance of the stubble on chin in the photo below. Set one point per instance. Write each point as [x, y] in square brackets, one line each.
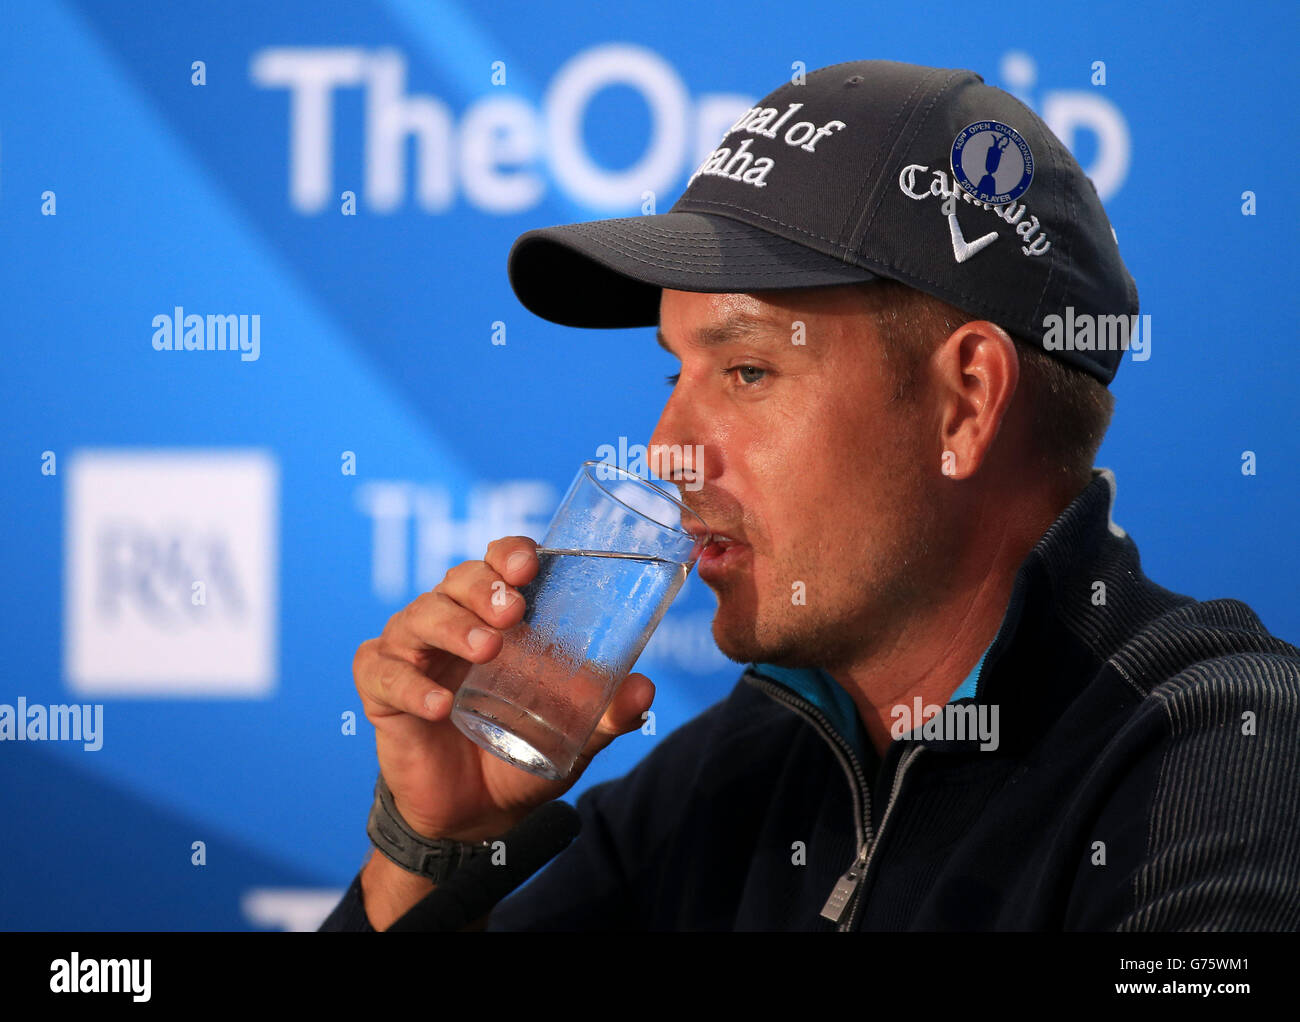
[779, 630]
[841, 619]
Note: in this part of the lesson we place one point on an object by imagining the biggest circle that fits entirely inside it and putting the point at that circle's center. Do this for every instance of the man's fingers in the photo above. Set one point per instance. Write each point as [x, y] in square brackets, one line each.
[514, 557]
[395, 686]
[479, 587]
[436, 621]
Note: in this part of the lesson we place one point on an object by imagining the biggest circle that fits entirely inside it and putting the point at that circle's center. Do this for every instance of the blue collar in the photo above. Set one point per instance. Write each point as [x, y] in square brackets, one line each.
[824, 692]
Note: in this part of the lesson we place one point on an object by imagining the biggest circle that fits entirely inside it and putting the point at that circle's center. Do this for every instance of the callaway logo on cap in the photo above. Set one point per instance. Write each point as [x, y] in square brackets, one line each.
[868, 169]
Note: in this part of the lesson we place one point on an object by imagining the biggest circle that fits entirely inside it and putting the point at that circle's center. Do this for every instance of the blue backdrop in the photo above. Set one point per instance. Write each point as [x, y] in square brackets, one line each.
[197, 541]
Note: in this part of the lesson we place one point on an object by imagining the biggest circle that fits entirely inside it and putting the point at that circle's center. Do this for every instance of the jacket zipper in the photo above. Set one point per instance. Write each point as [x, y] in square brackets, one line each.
[854, 878]
[854, 881]
[843, 751]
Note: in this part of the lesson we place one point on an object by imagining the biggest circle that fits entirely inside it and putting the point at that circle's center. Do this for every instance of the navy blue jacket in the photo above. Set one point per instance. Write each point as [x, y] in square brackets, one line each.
[1146, 776]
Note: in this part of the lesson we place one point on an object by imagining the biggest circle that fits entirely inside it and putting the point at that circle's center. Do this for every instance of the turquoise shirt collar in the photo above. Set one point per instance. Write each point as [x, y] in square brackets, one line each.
[824, 692]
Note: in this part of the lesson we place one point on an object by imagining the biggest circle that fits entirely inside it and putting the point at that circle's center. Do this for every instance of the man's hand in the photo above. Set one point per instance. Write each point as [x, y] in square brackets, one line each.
[443, 784]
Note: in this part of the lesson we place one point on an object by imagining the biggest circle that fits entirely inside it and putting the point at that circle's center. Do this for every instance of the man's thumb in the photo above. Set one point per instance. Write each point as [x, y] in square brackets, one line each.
[626, 712]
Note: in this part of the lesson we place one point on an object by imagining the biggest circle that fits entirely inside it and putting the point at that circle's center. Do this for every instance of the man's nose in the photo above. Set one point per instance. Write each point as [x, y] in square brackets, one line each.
[677, 447]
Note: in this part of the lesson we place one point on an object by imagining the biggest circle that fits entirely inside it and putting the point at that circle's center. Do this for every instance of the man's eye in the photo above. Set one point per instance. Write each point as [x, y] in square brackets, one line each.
[742, 370]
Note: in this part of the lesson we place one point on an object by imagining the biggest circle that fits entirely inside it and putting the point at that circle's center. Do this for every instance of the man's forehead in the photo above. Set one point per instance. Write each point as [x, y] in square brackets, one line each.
[707, 320]
[734, 327]
[724, 319]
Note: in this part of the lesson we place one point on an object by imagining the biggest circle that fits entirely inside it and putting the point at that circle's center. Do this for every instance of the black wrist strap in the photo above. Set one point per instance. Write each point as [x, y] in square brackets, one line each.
[434, 858]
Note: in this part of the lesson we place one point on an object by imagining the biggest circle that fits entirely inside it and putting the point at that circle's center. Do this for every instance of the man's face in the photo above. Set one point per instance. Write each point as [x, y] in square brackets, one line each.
[825, 483]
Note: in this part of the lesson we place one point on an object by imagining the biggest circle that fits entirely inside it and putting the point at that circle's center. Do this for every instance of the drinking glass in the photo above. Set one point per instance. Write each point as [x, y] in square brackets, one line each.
[615, 555]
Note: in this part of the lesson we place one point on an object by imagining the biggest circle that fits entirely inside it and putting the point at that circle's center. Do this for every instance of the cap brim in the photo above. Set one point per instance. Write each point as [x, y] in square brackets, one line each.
[609, 273]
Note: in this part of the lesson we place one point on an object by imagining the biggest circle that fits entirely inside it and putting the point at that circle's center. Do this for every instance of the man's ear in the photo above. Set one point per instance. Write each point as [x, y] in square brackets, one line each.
[975, 374]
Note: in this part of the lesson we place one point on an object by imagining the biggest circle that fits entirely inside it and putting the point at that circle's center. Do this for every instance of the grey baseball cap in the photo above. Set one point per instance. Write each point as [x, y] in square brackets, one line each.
[863, 170]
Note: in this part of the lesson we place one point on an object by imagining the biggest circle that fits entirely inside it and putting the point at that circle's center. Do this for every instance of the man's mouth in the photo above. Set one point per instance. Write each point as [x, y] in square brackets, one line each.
[721, 555]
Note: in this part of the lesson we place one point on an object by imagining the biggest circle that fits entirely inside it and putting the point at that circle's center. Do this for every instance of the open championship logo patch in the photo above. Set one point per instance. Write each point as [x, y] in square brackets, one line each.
[992, 162]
